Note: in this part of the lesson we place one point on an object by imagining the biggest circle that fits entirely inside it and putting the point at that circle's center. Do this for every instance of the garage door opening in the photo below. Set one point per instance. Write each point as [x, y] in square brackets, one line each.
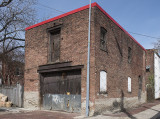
[61, 90]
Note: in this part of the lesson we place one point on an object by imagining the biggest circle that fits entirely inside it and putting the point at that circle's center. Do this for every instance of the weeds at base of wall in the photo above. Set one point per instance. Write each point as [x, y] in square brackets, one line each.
[150, 88]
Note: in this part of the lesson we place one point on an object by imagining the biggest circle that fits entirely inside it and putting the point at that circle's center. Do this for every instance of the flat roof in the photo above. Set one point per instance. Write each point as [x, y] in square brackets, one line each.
[80, 9]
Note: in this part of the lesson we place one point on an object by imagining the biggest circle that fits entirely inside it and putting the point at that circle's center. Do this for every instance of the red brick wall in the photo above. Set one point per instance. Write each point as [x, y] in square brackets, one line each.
[117, 67]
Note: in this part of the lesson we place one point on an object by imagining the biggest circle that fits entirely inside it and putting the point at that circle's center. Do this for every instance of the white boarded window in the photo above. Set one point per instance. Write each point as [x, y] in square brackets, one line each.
[103, 81]
[129, 84]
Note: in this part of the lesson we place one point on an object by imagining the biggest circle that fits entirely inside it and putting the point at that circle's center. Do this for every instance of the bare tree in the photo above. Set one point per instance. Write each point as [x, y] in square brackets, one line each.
[157, 45]
[15, 16]
[13, 19]
[4, 3]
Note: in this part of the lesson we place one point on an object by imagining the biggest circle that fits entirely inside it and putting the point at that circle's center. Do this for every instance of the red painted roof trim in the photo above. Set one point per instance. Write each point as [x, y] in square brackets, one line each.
[61, 16]
[80, 9]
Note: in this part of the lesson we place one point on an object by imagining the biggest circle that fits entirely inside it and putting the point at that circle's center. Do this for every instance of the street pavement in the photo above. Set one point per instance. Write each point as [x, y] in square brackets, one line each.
[21, 113]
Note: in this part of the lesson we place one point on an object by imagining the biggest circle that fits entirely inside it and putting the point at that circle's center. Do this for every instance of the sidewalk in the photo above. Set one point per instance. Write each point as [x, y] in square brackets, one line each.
[12, 110]
[145, 111]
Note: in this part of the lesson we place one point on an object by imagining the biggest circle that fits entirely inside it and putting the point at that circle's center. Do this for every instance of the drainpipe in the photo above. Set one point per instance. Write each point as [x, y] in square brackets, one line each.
[88, 62]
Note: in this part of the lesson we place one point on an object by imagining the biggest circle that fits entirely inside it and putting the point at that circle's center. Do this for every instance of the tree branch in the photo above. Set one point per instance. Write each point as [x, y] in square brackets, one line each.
[12, 38]
[14, 48]
[5, 3]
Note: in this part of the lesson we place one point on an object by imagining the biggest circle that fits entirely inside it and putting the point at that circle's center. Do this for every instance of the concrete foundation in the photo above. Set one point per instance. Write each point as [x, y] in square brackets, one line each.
[112, 104]
[31, 100]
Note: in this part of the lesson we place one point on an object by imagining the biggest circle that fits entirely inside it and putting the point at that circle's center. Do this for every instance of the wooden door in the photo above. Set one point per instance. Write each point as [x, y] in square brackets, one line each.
[55, 46]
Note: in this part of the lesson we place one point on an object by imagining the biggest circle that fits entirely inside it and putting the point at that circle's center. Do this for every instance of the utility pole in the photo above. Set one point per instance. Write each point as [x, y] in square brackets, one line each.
[88, 61]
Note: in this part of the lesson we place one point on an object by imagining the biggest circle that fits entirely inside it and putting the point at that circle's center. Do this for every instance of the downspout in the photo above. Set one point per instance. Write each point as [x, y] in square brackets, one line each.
[88, 61]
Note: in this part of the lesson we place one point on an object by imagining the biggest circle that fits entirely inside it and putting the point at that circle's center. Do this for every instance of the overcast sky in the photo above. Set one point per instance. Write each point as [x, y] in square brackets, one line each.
[137, 16]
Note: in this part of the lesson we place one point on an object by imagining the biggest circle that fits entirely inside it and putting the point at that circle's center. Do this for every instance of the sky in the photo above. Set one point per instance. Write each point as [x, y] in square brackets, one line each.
[135, 16]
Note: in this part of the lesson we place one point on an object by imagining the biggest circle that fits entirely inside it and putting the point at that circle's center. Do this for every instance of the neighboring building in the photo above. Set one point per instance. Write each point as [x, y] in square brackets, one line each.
[12, 72]
[56, 64]
[12, 68]
[153, 70]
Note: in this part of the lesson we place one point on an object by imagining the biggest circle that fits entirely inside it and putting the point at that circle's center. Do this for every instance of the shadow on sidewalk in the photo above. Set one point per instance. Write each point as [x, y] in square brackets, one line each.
[129, 115]
[123, 109]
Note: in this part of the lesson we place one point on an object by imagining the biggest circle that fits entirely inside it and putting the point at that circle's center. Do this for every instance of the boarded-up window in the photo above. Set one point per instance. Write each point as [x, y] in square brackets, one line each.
[55, 45]
[103, 82]
[129, 55]
[103, 39]
[17, 72]
[129, 84]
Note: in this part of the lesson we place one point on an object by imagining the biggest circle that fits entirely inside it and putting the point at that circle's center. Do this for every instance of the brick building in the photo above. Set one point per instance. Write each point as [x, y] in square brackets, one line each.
[56, 63]
[11, 72]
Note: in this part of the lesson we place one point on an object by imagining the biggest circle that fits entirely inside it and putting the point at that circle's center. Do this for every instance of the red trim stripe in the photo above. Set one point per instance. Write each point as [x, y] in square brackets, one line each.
[61, 16]
[80, 9]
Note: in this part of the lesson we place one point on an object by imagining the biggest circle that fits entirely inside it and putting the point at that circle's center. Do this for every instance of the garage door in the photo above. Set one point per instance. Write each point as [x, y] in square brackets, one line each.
[61, 91]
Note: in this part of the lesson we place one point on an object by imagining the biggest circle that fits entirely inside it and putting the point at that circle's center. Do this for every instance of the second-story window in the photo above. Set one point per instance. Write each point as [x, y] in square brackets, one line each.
[103, 39]
[129, 55]
[55, 45]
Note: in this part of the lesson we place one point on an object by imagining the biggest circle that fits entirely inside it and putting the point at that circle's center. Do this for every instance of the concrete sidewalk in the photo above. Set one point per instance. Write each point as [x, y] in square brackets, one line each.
[5, 110]
[150, 113]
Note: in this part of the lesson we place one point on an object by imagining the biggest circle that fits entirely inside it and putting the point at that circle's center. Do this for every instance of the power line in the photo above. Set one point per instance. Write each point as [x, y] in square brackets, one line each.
[144, 35]
[51, 8]
[128, 31]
